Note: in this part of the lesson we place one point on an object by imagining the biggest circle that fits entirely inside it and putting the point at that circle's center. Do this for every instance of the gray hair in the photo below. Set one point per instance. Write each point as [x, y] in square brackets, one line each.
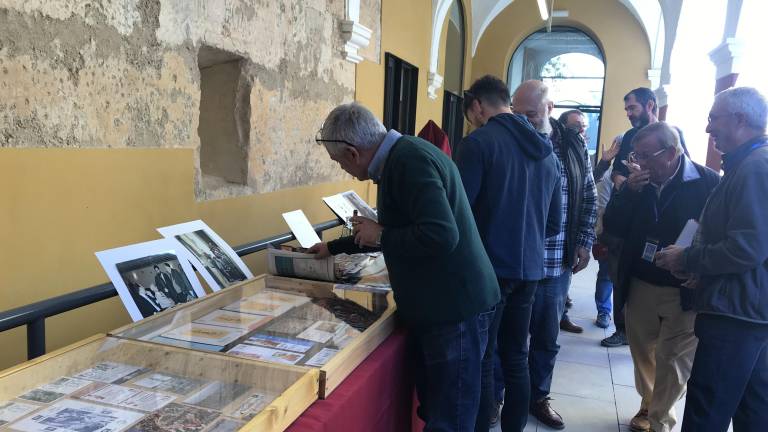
[747, 101]
[354, 124]
[666, 135]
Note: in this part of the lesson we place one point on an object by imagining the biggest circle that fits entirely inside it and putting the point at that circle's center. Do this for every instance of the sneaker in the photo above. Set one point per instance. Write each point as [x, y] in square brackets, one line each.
[545, 414]
[568, 302]
[615, 340]
[567, 325]
[603, 320]
[640, 422]
[496, 416]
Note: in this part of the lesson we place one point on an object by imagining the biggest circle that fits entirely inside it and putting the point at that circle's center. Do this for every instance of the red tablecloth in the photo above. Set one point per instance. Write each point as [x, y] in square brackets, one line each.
[376, 397]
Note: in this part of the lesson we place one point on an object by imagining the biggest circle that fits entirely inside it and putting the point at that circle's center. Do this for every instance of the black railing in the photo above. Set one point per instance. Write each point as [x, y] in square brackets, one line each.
[33, 315]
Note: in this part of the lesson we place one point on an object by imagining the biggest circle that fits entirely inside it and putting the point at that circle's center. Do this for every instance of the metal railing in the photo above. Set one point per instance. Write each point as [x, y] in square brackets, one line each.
[33, 315]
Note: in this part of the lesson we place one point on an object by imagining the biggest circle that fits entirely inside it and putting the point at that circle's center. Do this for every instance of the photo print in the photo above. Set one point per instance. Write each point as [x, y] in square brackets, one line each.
[151, 277]
[216, 261]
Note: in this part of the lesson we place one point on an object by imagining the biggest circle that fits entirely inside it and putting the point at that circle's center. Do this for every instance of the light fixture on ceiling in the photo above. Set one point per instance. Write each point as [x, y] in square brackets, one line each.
[543, 9]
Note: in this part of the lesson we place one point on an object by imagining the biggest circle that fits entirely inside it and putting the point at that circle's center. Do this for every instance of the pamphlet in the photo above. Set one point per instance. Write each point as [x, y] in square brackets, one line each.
[227, 318]
[272, 296]
[72, 415]
[55, 390]
[344, 204]
[301, 265]
[129, 397]
[107, 372]
[685, 238]
[322, 357]
[169, 383]
[322, 331]
[11, 411]
[258, 306]
[266, 354]
[206, 334]
[280, 343]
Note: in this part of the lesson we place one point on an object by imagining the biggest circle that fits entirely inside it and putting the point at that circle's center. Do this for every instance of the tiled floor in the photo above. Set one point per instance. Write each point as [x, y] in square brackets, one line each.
[593, 387]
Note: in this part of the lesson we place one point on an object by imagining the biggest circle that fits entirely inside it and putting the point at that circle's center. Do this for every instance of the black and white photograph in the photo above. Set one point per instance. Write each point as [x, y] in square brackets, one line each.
[216, 261]
[151, 277]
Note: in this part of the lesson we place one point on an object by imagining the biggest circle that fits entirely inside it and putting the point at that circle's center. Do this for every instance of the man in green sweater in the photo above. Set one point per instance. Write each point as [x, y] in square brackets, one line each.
[441, 277]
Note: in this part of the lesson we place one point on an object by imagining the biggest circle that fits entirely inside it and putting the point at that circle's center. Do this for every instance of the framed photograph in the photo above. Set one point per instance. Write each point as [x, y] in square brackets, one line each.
[151, 277]
[216, 261]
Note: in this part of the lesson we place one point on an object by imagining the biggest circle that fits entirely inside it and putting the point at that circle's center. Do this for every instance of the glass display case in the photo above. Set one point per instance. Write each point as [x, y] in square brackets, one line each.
[107, 384]
[279, 320]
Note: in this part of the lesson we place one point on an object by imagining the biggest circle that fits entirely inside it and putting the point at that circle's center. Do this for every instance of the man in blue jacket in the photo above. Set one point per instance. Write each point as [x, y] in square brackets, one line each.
[512, 180]
[728, 265]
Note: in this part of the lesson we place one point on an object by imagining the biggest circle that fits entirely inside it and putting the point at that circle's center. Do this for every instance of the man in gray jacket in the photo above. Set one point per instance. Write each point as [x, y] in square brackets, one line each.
[727, 264]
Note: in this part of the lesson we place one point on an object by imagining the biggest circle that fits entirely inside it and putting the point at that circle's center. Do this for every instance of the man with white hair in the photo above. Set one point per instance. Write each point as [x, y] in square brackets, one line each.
[728, 265]
[565, 253]
[663, 191]
[441, 276]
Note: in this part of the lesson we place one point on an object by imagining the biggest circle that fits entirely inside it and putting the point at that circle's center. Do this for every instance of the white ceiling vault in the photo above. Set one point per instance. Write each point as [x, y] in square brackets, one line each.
[658, 18]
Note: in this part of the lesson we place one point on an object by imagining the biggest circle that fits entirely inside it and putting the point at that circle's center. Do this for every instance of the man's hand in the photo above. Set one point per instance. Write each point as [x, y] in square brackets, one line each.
[611, 153]
[638, 178]
[367, 232]
[320, 250]
[671, 258]
[581, 260]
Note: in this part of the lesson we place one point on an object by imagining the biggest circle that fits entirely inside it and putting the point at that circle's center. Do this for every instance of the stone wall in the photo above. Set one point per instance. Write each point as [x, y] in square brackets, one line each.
[126, 73]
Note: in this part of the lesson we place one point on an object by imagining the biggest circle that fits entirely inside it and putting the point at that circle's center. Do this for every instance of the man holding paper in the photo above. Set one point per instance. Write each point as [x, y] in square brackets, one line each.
[663, 191]
[729, 258]
[441, 277]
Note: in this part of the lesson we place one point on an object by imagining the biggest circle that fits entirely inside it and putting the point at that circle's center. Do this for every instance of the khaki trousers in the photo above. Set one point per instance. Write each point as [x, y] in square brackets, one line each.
[662, 344]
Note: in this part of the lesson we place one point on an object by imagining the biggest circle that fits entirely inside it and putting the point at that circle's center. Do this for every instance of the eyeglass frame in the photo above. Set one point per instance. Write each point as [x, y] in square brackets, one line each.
[321, 141]
[632, 157]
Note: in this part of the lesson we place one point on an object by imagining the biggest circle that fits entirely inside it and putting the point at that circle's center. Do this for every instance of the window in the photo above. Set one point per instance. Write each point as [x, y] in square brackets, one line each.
[400, 90]
[571, 64]
[224, 127]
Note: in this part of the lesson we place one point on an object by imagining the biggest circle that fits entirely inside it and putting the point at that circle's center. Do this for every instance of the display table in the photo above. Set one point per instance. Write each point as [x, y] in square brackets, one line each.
[376, 397]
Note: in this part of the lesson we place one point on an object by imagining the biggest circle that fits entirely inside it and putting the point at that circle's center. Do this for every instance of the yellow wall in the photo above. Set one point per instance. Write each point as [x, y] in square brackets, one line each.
[62, 205]
[612, 26]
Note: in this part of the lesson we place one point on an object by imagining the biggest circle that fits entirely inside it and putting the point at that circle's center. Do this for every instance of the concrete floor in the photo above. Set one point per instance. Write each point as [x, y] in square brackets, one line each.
[593, 387]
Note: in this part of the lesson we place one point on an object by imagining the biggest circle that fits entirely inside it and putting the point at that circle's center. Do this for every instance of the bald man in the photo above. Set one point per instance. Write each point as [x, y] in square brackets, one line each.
[565, 253]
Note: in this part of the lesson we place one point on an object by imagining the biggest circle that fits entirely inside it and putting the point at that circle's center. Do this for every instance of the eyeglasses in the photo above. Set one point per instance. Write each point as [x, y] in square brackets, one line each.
[635, 158]
[713, 117]
[320, 140]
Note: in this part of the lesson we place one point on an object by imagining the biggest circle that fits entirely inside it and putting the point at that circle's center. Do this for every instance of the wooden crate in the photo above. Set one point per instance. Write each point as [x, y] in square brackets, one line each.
[332, 373]
[297, 387]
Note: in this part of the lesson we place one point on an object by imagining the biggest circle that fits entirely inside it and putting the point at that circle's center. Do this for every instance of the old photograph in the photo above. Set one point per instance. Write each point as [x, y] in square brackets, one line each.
[216, 261]
[151, 277]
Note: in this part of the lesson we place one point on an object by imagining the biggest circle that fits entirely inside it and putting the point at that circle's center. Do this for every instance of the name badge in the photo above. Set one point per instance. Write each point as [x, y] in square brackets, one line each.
[651, 246]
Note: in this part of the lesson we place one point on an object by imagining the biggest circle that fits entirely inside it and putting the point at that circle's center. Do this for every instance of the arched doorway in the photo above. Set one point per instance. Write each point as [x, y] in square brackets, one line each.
[453, 116]
[573, 67]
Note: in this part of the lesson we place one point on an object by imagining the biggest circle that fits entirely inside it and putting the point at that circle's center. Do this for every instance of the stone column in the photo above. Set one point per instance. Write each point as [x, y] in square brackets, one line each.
[727, 59]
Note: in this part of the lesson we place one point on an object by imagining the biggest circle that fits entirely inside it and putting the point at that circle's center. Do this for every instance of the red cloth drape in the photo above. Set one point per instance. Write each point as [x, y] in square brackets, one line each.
[432, 133]
[376, 397]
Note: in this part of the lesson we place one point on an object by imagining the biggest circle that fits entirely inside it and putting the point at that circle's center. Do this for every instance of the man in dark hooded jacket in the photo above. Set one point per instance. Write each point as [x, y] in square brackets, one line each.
[512, 180]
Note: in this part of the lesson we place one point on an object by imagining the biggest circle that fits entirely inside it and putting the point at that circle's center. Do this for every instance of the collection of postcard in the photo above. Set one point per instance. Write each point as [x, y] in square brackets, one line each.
[112, 397]
[273, 326]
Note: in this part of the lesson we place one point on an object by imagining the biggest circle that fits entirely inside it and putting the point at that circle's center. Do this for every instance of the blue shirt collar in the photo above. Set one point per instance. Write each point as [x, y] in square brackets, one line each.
[689, 169]
[376, 167]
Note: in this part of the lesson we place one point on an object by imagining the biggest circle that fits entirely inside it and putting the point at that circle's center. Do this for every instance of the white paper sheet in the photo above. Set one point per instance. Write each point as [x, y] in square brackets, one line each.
[11, 411]
[216, 261]
[107, 372]
[205, 334]
[239, 320]
[301, 228]
[685, 238]
[266, 354]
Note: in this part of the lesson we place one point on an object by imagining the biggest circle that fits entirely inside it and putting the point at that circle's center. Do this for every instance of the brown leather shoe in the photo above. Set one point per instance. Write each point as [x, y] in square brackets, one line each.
[640, 422]
[567, 325]
[545, 414]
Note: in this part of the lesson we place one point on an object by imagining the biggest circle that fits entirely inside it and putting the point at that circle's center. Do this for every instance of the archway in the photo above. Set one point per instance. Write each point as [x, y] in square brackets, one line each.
[572, 65]
[453, 118]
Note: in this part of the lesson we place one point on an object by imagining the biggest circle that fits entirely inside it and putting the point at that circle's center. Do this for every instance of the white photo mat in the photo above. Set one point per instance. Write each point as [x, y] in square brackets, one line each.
[216, 282]
[112, 257]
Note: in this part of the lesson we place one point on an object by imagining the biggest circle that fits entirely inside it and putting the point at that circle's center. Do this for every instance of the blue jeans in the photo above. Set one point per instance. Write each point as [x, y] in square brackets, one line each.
[603, 288]
[548, 306]
[511, 321]
[447, 360]
[729, 379]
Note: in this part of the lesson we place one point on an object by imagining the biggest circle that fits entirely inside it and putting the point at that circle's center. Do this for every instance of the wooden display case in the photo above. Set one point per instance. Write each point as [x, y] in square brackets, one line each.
[332, 373]
[293, 389]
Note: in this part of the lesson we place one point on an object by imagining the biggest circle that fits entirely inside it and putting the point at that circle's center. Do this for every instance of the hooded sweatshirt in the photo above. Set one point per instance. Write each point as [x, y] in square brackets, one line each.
[512, 180]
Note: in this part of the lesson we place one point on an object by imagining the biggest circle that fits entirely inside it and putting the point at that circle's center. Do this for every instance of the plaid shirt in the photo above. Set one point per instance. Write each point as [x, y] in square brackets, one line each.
[554, 247]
